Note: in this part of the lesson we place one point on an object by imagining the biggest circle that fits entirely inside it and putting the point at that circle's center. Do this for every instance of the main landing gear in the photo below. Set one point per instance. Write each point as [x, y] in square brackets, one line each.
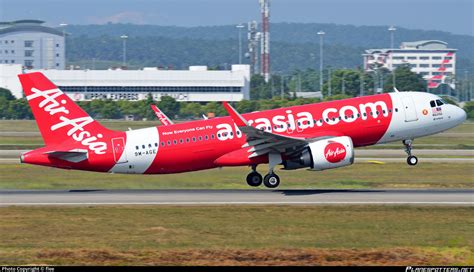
[254, 179]
[411, 160]
[271, 180]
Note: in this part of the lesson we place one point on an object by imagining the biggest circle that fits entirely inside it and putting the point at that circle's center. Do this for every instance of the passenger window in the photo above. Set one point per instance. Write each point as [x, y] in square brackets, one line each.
[175, 142]
[143, 146]
[156, 144]
[136, 147]
[207, 137]
[194, 139]
[181, 141]
[187, 140]
[149, 145]
[162, 143]
[212, 136]
[200, 138]
[396, 109]
[432, 103]
[169, 142]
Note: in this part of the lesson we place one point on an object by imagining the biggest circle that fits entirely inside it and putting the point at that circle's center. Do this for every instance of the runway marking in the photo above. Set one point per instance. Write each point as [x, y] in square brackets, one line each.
[246, 203]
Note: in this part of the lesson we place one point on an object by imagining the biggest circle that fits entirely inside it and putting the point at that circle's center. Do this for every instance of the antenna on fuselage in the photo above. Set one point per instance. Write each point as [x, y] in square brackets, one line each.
[395, 89]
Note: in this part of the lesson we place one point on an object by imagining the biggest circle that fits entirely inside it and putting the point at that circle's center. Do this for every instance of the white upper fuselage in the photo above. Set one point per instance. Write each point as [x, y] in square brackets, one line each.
[419, 118]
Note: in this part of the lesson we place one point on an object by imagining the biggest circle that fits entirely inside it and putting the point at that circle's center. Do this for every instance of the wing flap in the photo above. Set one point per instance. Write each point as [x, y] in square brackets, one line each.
[262, 142]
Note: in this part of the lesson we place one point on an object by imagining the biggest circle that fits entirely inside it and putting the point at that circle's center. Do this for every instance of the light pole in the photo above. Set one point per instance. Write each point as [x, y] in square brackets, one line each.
[240, 26]
[63, 26]
[392, 30]
[321, 40]
[343, 87]
[124, 50]
[282, 86]
[329, 83]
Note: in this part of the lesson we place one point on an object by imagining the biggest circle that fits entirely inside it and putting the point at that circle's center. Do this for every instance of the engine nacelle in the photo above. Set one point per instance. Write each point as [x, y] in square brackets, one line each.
[324, 154]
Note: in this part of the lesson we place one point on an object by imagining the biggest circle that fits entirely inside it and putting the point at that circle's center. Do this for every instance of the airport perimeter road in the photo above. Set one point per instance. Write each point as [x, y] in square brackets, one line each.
[237, 197]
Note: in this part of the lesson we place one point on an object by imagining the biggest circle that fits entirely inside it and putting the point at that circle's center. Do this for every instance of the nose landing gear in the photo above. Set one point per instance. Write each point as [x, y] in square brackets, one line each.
[411, 160]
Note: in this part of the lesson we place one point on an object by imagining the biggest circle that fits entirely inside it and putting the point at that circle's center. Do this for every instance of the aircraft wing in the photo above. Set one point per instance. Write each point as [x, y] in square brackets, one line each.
[263, 142]
[70, 156]
[161, 116]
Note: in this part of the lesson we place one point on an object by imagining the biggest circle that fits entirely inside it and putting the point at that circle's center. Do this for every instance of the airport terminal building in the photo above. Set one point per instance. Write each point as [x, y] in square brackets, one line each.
[32, 45]
[198, 84]
[432, 59]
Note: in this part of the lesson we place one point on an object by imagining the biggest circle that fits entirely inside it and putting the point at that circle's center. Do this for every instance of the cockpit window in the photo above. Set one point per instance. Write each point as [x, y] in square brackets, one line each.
[439, 103]
[432, 103]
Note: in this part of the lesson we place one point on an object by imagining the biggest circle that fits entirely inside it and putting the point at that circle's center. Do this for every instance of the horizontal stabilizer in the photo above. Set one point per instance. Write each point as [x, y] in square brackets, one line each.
[70, 156]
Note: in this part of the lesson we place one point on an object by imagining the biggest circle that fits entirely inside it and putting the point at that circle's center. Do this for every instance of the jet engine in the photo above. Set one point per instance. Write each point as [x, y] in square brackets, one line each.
[324, 154]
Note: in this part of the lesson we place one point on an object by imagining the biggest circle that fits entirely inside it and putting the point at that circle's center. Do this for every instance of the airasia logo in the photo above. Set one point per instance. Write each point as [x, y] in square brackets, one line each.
[77, 126]
[334, 152]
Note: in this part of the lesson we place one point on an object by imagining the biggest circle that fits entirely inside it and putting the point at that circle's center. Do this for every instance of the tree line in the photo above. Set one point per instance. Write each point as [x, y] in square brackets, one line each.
[278, 92]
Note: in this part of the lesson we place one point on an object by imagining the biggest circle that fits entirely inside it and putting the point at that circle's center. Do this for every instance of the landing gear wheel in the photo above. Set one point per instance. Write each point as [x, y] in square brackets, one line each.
[254, 179]
[412, 160]
[271, 180]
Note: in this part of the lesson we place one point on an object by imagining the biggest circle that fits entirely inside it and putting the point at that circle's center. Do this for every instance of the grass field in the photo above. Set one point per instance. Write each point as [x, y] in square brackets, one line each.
[30, 125]
[359, 175]
[461, 137]
[330, 235]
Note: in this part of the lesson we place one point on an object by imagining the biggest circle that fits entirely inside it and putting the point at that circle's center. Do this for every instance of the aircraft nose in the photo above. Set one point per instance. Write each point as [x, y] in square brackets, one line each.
[459, 115]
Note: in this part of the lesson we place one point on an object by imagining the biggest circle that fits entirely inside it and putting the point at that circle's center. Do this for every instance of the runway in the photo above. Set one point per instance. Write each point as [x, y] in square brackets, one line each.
[361, 155]
[237, 197]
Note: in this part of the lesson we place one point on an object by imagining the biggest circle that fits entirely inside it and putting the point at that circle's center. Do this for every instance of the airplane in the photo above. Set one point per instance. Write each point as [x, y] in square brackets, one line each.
[316, 136]
[164, 119]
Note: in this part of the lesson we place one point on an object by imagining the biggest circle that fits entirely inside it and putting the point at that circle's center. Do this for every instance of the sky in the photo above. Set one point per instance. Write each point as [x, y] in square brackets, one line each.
[455, 16]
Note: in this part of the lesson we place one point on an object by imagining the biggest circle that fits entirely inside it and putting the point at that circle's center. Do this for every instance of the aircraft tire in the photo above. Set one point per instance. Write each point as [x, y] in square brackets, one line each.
[412, 160]
[254, 179]
[271, 180]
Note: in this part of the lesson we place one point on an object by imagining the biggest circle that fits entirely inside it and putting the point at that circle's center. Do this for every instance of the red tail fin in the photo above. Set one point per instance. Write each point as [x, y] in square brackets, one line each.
[58, 117]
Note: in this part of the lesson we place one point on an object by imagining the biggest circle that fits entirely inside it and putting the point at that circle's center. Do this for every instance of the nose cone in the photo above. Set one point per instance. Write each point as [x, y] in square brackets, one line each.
[459, 115]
